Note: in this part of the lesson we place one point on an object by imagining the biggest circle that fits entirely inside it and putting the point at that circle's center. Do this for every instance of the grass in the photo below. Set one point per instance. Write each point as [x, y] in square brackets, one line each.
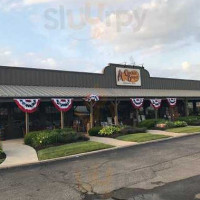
[188, 129]
[70, 149]
[141, 137]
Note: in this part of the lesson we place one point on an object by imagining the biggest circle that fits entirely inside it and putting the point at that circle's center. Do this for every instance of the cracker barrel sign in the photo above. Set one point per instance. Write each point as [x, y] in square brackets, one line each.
[126, 76]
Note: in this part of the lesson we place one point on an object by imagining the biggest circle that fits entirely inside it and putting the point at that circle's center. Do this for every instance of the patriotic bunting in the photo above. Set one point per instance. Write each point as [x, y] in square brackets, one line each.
[156, 103]
[137, 103]
[27, 105]
[172, 101]
[92, 97]
[63, 105]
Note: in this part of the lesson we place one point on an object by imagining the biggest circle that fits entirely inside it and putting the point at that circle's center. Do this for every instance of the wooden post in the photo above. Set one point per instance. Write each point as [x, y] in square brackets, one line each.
[27, 122]
[137, 115]
[91, 115]
[62, 119]
[194, 107]
[186, 107]
[156, 114]
[116, 117]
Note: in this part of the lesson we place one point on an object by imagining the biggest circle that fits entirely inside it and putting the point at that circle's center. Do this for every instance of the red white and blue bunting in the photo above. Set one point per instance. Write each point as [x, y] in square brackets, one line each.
[156, 103]
[63, 105]
[27, 105]
[137, 103]
[172, 102]
[92, 97]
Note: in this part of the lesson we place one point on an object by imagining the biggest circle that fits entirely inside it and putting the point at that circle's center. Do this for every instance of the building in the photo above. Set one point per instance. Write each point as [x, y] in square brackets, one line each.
[115, 86]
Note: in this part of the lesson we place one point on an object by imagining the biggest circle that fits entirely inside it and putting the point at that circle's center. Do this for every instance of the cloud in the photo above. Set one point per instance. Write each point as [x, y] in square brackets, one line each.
[186, 70]
[32, 2]
[164, 22]
[186, 66]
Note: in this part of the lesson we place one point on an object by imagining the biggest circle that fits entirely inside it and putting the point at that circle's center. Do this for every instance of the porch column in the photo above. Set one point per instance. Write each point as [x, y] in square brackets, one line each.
[116, 117]
[27, 122]
[91, 115]
[62, 119]
[194, 107]
[91, 105]
[186, 107]
[156, 114]
[135, 121]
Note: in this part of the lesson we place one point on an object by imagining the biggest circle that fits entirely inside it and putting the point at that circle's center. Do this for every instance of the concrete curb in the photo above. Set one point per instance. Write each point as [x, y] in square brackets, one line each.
[82, 155]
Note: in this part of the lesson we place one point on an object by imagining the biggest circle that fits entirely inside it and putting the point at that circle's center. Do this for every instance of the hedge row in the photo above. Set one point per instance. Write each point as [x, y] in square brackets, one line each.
[191, 120]
[152, 123]
[115, 130]
[42, 139]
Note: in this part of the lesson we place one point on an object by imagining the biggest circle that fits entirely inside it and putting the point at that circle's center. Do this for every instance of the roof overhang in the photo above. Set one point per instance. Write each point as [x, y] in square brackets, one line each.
[11, 91]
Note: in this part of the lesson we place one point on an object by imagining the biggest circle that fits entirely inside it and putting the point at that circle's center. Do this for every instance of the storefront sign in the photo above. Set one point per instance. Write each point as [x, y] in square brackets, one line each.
[127, 76]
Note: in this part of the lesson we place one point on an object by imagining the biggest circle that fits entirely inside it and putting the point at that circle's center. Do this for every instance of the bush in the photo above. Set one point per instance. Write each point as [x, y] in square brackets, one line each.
[94, 131]
[180, 124]
[41, 139]
[2, 154]
[168, 124]
[109, 130]
[131, 130]
[149, 123]
[191, 120]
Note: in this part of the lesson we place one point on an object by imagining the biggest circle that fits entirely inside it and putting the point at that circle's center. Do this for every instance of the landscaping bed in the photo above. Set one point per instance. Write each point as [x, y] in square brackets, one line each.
[59, 143]
[47, 138]
[115, 131]
[162, 124]
[70, 149]
[141, 137]
[188, 129]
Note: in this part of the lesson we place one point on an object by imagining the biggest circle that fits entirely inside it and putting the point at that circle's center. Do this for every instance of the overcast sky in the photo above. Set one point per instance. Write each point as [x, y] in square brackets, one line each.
[79, 35]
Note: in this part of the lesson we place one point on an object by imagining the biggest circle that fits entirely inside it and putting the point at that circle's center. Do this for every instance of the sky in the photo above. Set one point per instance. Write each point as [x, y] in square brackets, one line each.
[86, 35]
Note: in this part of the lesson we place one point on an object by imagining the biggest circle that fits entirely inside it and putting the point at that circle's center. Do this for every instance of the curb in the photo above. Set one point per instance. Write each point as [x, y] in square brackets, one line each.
[82, 155]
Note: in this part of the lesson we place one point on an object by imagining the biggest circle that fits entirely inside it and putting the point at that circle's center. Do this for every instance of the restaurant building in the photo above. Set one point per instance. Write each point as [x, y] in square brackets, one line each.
[114, 87]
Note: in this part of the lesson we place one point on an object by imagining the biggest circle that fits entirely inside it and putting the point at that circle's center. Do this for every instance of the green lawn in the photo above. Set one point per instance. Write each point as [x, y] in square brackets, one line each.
[141, 137]
[70, 149]
[188, 129]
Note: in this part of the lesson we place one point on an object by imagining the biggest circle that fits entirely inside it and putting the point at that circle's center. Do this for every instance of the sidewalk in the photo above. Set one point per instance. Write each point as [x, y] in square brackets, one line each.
[17, 153]
[111, 141]
[159, 132]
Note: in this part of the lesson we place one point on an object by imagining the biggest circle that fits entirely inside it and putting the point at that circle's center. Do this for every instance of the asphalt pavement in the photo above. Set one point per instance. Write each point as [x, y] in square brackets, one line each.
[167, 170]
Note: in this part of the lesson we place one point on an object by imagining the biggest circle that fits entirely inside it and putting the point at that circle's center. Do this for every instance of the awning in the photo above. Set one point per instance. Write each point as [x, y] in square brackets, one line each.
[10, 91]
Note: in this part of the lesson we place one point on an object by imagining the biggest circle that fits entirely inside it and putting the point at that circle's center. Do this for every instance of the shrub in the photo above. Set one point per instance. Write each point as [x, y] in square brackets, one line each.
[180, 124]
[41, 139]
[131, 130]
[109, 130]
[191, 120]
[149, 123]
[2, 154]
[94, 131]
[169, 124]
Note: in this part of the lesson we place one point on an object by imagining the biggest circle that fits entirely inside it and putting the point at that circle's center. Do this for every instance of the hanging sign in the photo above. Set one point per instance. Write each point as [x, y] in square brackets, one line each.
[63, 105]
[172, 101]
[27, 105]
[128, 77]
[137, 103]
[156, 103]
[92, 97]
